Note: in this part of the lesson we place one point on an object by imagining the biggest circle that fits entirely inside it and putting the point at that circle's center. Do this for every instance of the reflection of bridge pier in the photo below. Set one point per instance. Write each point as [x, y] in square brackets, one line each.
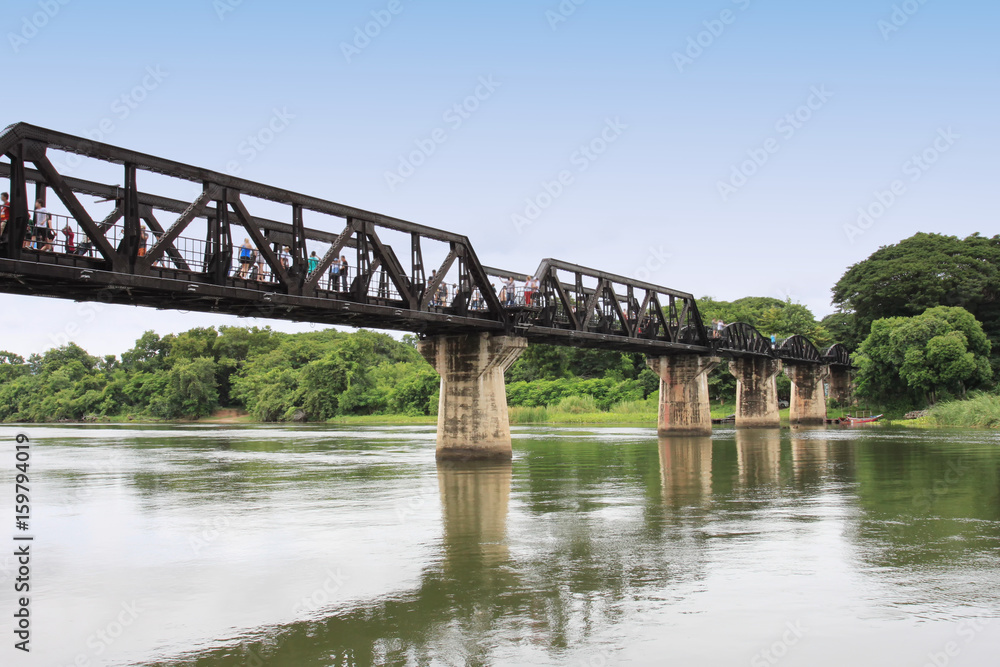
[686, 468]
[758, 456]
[809, 455]
[474, 500]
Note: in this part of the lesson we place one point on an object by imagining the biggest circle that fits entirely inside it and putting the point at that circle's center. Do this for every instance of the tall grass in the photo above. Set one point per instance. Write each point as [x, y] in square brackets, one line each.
[524, 415]
[980, 410]
[650, 407]
[577, 405]
[584, 410]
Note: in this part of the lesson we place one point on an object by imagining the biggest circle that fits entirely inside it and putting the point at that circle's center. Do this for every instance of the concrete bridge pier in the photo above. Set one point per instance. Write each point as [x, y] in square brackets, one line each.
[472, 411]
[756, 391]
[840, 385]
[808, 401]
[684, 402]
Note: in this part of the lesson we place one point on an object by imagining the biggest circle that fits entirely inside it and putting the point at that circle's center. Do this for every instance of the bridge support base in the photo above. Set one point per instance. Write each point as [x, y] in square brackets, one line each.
[684, 403]
[472, 412]
[756, 391]
[808, 401]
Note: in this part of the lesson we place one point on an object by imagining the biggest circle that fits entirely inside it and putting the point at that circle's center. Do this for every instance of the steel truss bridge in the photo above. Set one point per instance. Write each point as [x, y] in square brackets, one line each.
[190, 261]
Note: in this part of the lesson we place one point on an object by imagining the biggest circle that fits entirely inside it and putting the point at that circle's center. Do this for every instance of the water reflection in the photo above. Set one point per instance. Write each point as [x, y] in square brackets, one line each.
[474, 500]
[589, 547]
[810, 455]
[758, 456]
[686, 469]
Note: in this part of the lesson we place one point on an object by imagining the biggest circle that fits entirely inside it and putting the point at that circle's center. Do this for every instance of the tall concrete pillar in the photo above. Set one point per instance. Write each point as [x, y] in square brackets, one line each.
[840, 384]
[684, 403]
[808, 401]
[472, 412]
[756, 391]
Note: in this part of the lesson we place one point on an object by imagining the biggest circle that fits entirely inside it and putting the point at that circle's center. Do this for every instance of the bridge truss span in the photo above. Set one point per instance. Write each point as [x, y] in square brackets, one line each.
[305, 258]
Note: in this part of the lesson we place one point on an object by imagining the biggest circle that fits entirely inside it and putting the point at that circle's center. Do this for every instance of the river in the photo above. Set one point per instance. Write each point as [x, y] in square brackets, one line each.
[285, 546]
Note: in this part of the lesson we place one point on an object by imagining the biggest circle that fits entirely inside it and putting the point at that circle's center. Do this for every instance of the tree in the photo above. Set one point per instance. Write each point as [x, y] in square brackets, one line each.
[191, 391]
[923, 271]
[149, 353]
[944, 349]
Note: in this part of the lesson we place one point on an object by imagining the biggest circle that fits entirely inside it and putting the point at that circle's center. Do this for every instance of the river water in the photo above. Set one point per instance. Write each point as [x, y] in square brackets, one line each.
[223, 546]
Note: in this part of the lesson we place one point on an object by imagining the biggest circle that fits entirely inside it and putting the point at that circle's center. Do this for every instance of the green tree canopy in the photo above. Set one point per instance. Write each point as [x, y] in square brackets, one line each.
[921, 272]
[944, 349]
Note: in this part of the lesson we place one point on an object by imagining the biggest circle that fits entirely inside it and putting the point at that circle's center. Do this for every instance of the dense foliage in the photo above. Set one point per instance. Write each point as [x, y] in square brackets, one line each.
[942, 350]
[271, 375]
[918, 273]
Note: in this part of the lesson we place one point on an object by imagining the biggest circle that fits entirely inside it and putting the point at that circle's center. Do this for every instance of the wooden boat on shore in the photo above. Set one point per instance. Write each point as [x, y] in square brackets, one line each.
[851, 421]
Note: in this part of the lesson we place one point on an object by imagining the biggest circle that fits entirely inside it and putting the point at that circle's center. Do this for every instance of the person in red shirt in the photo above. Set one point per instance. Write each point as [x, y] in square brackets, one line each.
[4, 211]
[70, 244]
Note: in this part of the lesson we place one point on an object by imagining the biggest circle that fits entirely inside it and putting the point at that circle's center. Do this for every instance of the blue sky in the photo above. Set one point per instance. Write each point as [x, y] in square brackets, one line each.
[737, 139]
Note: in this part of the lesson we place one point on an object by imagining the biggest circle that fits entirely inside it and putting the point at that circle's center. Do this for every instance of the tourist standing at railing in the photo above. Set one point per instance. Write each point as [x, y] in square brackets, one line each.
[530, 288]
[477, 299]
[343, 272]
[246, 257]
[511, 289]
[333, 277]
[70, 243]
[436, 293]
[285, 257]
[261, 267]
[143, 240]
[4, 211]
[313, 262]
[44, 234]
